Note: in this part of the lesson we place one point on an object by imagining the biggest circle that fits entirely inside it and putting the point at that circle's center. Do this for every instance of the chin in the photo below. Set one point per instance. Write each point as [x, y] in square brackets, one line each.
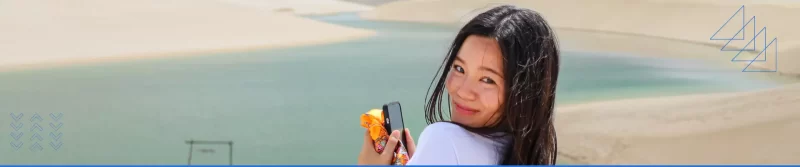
[463, 121]
[458, 119]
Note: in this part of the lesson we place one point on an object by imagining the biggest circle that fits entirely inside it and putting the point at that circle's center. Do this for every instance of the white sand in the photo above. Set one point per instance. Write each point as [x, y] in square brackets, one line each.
[733, 128]
[758, 127]
[38, 33]
[685, 20]
[302, 7]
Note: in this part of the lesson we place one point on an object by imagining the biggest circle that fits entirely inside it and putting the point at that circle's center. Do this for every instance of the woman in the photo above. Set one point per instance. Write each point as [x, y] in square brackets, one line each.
[500, 76]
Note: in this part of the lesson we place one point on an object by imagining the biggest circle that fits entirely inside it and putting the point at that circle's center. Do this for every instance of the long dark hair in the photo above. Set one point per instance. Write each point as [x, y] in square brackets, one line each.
[531, 61]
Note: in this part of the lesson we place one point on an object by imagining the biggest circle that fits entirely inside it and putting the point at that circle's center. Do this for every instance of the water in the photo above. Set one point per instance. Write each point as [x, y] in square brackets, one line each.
[282, 106]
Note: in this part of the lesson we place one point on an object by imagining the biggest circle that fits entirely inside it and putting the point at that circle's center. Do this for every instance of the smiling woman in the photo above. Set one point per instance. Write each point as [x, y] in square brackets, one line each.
[500, 80]
[475, 82]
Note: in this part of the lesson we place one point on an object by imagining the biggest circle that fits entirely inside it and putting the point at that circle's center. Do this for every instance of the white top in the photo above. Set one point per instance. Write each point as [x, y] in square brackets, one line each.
[445, 143]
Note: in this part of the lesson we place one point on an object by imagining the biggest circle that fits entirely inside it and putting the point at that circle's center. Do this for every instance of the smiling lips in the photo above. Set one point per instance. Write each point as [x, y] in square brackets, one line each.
[465, 110]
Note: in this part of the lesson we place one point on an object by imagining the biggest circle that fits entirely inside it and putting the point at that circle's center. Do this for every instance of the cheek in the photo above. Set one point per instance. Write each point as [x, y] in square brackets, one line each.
[453, 82]
[491, 99]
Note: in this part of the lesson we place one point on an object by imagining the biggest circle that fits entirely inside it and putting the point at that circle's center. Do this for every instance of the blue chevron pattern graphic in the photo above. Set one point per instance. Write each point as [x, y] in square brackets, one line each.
[36, 136]
[55, 135]
[16, 117]
[36, 147]
[16, 134]
[36, 117]
[16, 126]
[35, 129]
[56, 127]
[752, 43]
[55, 116]
[16, 145]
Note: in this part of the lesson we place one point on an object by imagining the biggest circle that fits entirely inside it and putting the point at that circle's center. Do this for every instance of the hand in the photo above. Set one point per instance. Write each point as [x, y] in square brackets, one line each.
[410, 145]
[369, 156]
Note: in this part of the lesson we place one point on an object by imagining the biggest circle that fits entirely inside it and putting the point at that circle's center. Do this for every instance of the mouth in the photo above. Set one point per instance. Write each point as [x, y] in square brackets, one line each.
[464, 110]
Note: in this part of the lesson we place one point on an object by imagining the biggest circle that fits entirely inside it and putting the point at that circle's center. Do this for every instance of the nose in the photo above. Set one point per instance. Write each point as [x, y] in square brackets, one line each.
[467, 90]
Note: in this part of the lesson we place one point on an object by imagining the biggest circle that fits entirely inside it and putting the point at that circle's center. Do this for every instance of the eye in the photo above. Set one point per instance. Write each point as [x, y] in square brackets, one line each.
[487, 80]
[458, 68]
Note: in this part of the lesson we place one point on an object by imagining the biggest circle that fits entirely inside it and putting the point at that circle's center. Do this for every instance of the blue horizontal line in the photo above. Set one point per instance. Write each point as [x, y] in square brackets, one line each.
[413, 165]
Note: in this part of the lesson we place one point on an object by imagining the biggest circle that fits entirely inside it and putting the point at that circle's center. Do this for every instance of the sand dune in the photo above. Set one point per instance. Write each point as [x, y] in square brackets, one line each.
[370, 2]
[302, 7]
[684, 20]
[732, 128]
[39, 33]
[737, 3]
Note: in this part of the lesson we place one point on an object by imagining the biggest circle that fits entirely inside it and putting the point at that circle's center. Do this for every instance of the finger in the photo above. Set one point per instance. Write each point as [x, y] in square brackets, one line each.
[388, 152]
[366, 150]
[367, 141]
[410, 145]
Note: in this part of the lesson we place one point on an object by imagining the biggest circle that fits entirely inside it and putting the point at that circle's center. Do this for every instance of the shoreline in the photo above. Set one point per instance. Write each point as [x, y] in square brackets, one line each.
[112, 32]
[626, 18]
[44, 65]
[633, 44]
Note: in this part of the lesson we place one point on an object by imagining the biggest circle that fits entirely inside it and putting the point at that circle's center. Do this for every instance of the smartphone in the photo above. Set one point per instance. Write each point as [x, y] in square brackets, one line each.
[393, 115]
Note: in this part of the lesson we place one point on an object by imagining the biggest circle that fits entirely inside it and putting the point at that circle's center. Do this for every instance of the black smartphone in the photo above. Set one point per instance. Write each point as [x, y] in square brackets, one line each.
[393, 120]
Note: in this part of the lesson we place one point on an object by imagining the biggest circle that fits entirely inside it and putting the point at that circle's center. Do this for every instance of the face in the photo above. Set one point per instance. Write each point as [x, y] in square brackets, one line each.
[475, 83]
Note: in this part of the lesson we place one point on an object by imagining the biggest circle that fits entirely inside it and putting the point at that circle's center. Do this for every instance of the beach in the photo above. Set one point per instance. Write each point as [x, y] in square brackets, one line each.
[46, 33]
[747, 127]
[733, 128]
[302, 7]
[249, 69]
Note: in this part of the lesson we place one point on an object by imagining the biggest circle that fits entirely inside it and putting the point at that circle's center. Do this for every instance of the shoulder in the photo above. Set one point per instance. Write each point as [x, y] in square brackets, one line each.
[450, 132]
[449, 144]
[444, 129]
[445, 132]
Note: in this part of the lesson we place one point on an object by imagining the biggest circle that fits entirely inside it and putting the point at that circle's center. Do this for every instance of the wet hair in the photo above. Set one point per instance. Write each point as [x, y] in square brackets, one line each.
[531, 63]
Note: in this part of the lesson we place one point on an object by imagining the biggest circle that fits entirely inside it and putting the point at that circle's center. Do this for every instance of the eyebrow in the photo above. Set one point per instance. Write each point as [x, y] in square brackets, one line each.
[459, 59]
[483, 68]
[492, 71]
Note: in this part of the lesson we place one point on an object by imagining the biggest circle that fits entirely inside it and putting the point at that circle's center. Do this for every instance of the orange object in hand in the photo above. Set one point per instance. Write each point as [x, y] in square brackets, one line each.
[373, 121]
